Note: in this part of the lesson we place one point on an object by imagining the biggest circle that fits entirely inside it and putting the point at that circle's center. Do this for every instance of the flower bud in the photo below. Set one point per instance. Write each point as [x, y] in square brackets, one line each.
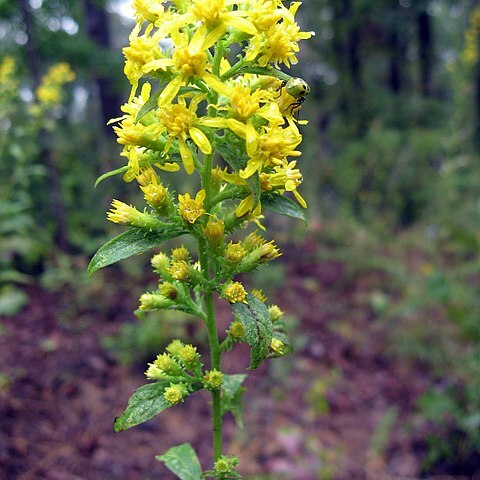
[154, 373]
[252, 241]
[225, 465]
[214, 232]
[234, 253]
[189, 356]
[258, 292]
[124, 214]
[213, 379]
[179, 270]
[160, 263]
[154, 301]
[236, 330]
[168, 290]
[174, 347]
[277, 346]
[175, 393]
[167, 364]
[180, 253]
[275, 313]
[234, 292]
[155, 195]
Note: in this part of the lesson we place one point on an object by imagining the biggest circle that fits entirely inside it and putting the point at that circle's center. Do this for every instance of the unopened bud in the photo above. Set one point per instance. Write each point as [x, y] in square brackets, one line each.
[155, 195]
[236, 330]
[168, 290]
[214, 232]
[234, 253]
[275, 313]
[180, 253]
[124, 214]
[189, 356]
[277, 346]
[175, 393]
[213, 379]
[252, 241]
[160, 262]
[154, 301]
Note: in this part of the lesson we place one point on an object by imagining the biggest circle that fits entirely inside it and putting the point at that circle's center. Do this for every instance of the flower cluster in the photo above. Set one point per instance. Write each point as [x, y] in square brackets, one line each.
[208, 97]
[189, 99]
[180, 367]
[49, 92]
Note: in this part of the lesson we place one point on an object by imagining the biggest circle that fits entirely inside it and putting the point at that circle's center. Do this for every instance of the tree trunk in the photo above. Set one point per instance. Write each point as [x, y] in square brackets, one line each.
[425, 51]
[98, 30]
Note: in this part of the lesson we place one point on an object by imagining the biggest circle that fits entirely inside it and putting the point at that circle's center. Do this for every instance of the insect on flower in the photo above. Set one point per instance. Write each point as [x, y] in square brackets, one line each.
[297, 88]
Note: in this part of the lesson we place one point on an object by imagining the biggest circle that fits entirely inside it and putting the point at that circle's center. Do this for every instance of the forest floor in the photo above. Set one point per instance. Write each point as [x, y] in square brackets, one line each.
[339, 409]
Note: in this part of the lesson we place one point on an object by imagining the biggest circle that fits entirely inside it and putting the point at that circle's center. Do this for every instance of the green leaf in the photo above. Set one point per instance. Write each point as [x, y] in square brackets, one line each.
[234, 154]
[232, 395]
[147, 402]
[183, 462]
[148, 106]
[258, 327]
[283, 205]
[131, 242]
[103, 177]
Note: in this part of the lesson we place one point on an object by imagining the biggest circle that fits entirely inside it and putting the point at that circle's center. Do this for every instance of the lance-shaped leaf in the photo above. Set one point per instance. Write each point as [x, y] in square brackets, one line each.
[147, 402]
[103, 177]
[183, 462]
[148, 106]
[283, 205]
[258, 327]
[131, 242]
[232, 394]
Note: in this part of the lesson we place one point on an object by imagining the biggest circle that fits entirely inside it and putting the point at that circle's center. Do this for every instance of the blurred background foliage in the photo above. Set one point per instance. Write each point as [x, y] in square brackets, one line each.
[391, 165]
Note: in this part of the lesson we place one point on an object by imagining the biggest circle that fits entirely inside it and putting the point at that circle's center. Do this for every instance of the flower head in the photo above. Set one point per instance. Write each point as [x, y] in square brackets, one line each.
[191, 209]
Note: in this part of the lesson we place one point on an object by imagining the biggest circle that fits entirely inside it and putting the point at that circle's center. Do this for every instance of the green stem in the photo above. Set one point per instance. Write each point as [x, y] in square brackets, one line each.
[215, 352]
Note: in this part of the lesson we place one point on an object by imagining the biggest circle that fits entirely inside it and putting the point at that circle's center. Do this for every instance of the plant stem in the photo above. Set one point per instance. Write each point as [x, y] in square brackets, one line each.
[215, 351]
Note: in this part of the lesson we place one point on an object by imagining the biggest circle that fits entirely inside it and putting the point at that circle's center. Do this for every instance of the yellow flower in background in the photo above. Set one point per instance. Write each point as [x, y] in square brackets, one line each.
[49, 92]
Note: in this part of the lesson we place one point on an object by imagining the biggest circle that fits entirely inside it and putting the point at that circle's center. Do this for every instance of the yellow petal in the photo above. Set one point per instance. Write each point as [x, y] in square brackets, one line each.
[300, 199]
[253, 165]
[187, 157]
[170, 91]
[238, 128]
[214, 36]
[251, 139]
[160, 64]
[201, 140]
[169, 167]
[241, 24]
[244, 206]
[213, 82]
[200, 196]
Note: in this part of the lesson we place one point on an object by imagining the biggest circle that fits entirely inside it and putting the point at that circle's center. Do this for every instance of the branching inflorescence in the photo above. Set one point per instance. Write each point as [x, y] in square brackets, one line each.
[208, 96]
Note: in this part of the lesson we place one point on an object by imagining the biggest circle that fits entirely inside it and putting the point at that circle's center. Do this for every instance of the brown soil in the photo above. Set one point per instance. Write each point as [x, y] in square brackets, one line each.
[310, 416]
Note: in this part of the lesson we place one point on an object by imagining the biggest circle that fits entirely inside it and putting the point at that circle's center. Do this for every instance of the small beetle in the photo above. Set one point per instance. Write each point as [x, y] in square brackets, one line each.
[297, 88]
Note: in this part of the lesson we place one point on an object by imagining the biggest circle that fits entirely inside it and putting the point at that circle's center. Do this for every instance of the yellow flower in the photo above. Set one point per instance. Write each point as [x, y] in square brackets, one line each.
[278, 44]
[49, 92]
[175, 393]
[191, 209]
[219, 15]
[270, 147]
[213, 379]
[179, 270]
[234, 292]
[234, 253]
[128, 215]
[258, 292]
[287, 178]
[181, 122]
[142, 50]
[265, 13]
[180, 253]
[189, 356]
[277, 346]
[150, 10]
[275, 313]
[189, 61]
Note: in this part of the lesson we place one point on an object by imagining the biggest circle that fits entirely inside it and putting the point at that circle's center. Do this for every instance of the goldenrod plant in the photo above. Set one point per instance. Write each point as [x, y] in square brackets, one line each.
[208, 97]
